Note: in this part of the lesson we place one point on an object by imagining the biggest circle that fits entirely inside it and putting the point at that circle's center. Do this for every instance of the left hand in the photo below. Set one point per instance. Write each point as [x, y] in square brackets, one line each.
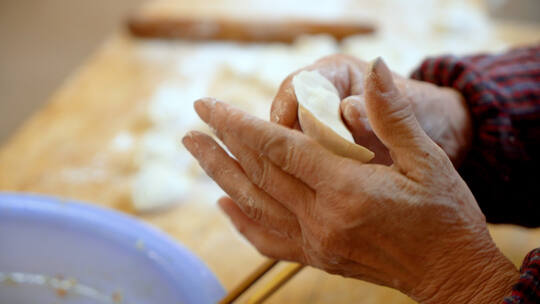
[413, 226]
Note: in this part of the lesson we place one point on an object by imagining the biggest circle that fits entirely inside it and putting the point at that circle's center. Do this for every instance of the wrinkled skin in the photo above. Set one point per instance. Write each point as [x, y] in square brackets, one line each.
[413, 226]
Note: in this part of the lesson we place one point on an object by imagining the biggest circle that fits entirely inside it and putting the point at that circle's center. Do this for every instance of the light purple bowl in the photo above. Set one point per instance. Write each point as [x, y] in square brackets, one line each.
[54, 251]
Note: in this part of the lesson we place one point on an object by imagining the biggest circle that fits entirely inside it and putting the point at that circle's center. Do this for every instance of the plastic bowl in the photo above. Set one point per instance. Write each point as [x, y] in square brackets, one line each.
[54, 251]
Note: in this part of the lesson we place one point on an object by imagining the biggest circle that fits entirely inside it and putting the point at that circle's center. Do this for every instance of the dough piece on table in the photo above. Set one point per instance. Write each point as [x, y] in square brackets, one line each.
[158, 186]
[320, 117]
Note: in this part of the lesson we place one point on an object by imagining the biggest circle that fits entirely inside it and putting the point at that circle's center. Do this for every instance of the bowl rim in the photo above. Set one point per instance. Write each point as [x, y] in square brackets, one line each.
[127, 229]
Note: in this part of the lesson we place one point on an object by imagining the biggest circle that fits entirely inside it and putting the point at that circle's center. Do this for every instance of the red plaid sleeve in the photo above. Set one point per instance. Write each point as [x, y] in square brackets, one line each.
[503, 94]
[502, 168]
[527, 290]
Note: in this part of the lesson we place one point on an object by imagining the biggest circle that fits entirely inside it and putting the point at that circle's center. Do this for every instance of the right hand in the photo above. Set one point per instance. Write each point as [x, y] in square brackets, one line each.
[441, 112]
[413, 226]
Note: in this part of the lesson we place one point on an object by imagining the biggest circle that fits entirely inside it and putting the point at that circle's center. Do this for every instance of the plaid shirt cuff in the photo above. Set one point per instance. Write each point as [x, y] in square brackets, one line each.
[527, 289]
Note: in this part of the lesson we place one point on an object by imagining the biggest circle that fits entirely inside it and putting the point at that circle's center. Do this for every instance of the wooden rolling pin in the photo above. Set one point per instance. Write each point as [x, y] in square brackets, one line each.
[240, 30]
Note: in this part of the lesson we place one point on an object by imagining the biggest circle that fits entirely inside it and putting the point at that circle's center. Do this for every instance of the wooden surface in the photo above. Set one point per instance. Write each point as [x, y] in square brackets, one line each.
[64, 150]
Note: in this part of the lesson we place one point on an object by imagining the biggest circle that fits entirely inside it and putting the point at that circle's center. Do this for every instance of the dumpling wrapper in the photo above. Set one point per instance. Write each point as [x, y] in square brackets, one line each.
[319, 116]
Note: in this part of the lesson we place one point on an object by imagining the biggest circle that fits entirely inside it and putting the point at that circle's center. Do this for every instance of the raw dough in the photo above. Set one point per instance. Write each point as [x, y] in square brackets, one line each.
[320, 118]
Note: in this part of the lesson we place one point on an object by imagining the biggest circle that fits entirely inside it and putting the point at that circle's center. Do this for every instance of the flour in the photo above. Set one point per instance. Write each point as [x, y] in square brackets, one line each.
[122, 142]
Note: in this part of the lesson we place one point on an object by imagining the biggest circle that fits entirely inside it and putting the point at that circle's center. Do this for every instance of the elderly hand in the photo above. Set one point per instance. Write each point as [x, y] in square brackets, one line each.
[441, 112]
[413, 226]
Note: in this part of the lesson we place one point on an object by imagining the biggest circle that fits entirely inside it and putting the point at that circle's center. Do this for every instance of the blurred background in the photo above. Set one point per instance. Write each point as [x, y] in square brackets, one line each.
[44, 41]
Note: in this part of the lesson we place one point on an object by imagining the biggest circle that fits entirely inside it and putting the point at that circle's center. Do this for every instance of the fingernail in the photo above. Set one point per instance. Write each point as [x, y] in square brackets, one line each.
[222, 203]
[188, 141]
[347, 109]
[355, 106]
[203, 107]
[382, 76]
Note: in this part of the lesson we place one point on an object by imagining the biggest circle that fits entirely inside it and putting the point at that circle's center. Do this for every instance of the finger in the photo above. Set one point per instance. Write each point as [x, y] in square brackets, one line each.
[392, 118]
[267, 242]
[282, 186]
[226, 172]
[290, 150]
[354, 115]
[343, 71]
[285, 106]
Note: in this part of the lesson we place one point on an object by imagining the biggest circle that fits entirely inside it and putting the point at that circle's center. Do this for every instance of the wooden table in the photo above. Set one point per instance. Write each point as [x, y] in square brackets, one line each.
[64, 150]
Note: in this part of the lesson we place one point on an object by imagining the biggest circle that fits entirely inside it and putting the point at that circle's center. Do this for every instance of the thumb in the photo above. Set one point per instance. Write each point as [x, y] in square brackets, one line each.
[392, 118]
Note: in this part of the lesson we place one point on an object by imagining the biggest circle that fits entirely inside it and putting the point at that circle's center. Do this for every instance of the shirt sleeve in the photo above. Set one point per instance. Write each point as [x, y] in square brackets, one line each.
[502, 168]
[502, 91]
[527, 289]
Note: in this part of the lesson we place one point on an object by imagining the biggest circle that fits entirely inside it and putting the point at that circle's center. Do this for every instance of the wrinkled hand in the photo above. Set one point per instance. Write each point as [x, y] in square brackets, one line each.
[441, 112]
[413, 226]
